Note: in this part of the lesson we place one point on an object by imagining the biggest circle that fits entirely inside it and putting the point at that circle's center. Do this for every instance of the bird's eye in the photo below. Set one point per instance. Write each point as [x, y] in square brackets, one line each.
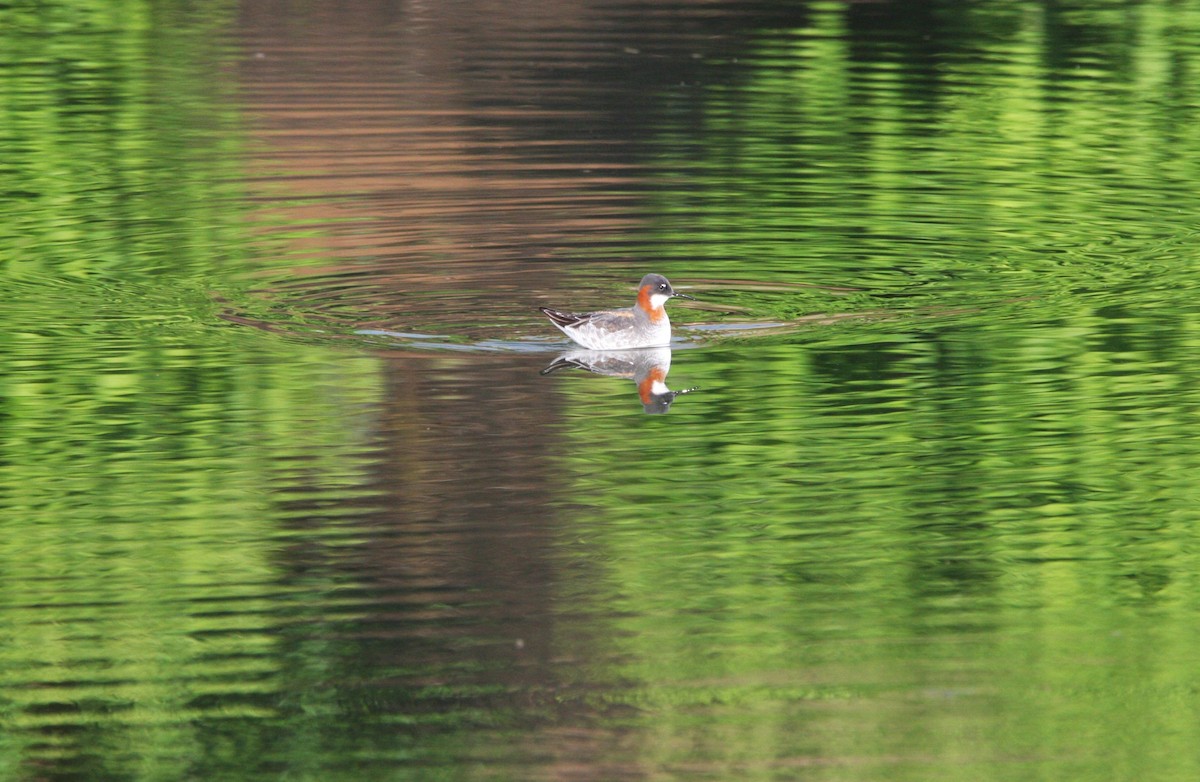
[662, 286]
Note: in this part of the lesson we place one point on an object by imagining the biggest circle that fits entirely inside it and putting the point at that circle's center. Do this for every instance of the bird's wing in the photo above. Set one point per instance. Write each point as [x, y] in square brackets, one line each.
[608, 321]
[564, 319]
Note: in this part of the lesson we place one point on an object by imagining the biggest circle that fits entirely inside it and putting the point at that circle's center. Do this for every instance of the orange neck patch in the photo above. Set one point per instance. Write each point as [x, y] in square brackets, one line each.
[647, 306]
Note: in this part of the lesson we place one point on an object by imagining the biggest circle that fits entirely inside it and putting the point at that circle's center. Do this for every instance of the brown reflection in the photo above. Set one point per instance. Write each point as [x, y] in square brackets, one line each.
[397, 135]
[414, 166]
[466, 509]
[424, 165]
[396, 191]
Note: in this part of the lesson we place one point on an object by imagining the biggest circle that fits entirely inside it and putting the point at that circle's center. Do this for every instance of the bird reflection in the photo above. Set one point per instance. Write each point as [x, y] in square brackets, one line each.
[648, 367]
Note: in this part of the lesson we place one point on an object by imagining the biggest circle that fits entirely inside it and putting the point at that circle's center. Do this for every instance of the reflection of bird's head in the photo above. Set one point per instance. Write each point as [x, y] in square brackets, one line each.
[661, 403]
[653, 391]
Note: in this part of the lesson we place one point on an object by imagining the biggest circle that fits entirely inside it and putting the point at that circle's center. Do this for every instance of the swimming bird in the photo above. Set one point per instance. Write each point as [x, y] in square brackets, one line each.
[644, 325]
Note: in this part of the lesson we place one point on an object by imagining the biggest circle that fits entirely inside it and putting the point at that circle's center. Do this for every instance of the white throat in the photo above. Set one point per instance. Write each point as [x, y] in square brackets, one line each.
[658, 299]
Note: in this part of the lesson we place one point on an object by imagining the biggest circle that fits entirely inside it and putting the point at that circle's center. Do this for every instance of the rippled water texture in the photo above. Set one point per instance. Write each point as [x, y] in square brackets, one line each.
[297, 483]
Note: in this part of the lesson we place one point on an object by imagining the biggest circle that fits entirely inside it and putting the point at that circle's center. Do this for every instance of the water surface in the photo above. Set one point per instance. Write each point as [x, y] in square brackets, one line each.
[287, 494]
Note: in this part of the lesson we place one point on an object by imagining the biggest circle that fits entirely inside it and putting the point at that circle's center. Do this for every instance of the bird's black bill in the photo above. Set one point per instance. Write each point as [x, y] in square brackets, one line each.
[683, 296]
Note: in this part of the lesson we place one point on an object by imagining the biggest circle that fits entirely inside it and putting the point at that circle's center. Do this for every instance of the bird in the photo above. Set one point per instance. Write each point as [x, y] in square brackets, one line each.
[644, 325]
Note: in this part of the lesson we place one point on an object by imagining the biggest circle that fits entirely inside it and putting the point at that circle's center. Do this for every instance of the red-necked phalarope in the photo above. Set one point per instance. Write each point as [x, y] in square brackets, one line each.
[644, 325]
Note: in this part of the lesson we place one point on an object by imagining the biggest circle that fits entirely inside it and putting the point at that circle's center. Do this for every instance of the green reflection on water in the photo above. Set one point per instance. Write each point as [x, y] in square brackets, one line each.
[150, 454]
[899, 551]
[1028, 150]
[116, 140]
[961, 540]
